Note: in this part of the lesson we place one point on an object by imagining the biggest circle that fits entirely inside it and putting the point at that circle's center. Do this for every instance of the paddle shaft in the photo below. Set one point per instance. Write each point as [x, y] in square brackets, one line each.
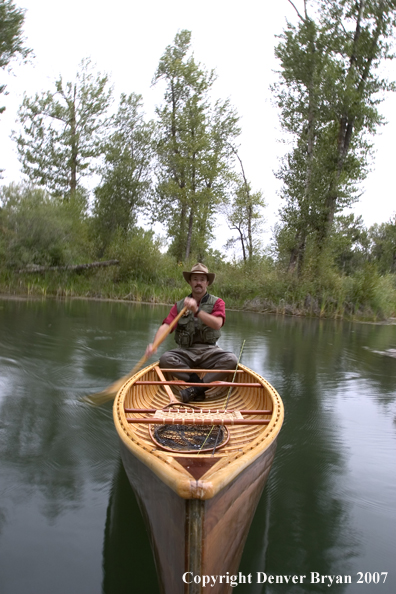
[228, 395]
[157, 342]
[110, 392]
[173, 323]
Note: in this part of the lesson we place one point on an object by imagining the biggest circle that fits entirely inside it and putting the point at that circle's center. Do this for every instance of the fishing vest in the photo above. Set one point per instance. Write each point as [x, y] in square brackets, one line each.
[191, 330]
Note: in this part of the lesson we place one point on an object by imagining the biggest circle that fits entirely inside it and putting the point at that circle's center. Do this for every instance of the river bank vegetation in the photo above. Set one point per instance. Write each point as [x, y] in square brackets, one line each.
[98, 178]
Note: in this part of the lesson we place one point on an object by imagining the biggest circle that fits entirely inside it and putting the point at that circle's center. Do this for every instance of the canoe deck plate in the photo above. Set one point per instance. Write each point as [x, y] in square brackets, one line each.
[197, 467]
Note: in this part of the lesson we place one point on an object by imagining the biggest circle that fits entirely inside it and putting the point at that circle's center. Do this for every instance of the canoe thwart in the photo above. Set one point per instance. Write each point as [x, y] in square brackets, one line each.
[188, 370]
[202, 410]
[201, 384]
[199, 421]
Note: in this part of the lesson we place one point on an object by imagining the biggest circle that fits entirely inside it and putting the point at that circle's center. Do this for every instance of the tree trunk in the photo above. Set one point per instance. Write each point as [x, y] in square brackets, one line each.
[249, 226]
[74, 147]
[189, 234]
[243, 245]
[297, 254]
[75, 267]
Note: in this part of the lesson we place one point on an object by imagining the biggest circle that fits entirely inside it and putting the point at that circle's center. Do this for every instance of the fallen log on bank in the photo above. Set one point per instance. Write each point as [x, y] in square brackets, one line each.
[73, 268]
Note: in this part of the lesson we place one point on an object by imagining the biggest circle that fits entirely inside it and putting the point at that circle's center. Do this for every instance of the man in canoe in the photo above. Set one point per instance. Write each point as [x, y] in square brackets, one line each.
[196, 334]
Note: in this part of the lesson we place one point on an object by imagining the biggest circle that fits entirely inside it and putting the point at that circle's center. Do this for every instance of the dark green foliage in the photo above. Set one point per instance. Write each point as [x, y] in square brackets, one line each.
[40, 231]
[139, 255]
[383, 246]
[349, 243]
[365, 285]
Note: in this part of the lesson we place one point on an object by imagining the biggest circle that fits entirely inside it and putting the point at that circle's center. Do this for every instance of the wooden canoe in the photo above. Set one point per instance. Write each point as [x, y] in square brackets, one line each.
[198, 506]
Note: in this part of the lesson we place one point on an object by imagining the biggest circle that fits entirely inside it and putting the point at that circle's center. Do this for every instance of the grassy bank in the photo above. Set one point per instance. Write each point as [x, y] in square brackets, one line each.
[259, 287]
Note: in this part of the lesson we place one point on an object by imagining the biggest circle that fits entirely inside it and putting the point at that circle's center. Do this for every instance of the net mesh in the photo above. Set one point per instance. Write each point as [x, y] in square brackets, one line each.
[189, 437]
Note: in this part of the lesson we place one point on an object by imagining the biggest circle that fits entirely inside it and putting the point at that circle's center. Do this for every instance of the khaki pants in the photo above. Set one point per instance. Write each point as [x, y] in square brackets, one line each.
[200, 356]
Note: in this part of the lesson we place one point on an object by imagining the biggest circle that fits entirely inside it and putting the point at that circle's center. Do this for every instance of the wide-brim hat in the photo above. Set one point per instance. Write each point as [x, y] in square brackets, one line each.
[199, 269]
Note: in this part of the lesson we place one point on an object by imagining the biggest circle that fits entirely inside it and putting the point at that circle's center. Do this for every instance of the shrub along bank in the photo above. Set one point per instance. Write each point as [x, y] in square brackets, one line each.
[261, 287]
[37, 230]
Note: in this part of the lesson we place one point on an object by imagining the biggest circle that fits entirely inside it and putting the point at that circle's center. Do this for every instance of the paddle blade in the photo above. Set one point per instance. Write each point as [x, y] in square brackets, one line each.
[106, 395]
[110, 392]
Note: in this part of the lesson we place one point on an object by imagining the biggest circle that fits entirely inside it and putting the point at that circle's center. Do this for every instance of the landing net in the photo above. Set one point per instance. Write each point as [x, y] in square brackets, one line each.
[191, 436]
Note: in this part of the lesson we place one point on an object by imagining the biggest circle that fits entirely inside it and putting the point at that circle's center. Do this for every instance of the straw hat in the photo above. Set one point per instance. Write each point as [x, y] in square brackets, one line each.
[199, 269]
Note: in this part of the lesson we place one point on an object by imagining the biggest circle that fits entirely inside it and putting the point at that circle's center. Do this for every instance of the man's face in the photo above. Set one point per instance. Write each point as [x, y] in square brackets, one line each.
[198, 283]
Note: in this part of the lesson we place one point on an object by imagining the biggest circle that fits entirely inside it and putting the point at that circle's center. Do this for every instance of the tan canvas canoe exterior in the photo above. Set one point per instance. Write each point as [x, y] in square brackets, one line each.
[198, 507]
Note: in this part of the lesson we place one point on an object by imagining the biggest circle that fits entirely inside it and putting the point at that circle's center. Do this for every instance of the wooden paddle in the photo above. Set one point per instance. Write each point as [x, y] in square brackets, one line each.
[110, 392]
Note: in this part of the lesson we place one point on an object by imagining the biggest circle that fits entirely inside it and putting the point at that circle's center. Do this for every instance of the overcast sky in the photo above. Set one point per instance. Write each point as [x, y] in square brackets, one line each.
[126, 38]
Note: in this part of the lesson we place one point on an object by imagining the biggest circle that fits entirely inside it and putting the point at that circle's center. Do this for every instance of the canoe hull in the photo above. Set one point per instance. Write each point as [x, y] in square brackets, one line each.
[202, 537]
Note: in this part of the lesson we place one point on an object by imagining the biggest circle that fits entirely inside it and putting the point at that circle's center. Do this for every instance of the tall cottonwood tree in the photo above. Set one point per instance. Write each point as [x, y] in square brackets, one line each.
[125, 187]
[328, 93]
[63, 131]
[192, 148]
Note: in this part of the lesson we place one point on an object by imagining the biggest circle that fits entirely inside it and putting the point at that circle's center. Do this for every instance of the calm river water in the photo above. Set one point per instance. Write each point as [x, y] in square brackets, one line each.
[69, 522]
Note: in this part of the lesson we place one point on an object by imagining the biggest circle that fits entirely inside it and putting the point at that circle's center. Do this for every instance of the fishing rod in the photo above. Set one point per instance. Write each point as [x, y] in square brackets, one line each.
[225, 407]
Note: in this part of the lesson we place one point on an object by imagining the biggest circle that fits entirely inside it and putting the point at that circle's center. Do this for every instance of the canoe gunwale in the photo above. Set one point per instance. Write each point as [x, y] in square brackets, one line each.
[223, 472]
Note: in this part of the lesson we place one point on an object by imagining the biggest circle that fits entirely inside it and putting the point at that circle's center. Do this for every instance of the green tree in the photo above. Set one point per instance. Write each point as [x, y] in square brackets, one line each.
[63, 131]
[193, 149]
[126, 174]
[328, 94]
[11, 39]
[244, 215]
[349, 243]
[139, 254]
[383, 245]
[37, 229]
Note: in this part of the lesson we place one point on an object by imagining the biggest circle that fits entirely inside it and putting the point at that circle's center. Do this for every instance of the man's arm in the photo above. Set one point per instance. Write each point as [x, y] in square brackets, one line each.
[214, 322]
[208, 319]
[160, 333]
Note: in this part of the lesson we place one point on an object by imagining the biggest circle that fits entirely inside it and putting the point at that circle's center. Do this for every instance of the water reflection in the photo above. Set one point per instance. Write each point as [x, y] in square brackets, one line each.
[329, 503]
[312, 525]
[128, 564]
[313, 518]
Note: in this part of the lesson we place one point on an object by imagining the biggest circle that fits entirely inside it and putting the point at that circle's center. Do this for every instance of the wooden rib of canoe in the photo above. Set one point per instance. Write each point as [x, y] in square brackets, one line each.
[198, 506]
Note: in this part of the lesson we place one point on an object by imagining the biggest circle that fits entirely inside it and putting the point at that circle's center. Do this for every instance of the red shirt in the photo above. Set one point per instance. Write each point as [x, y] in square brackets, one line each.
[218, 310]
